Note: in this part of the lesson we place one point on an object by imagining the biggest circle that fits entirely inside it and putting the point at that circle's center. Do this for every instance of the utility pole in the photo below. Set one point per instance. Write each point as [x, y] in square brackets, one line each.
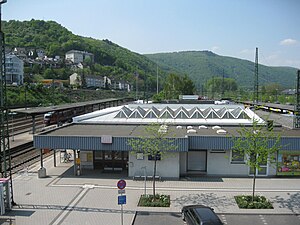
[213, 88]
[5, 157]
[156, 79]
[297, 103]
[223, 84]
[255, 91]
[136, 89]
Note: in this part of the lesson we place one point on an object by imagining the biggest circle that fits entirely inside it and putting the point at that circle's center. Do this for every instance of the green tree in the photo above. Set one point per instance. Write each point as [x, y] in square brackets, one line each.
[156, 143]
[187, 86]
[258, 146]
[217, 85]
[176, 85]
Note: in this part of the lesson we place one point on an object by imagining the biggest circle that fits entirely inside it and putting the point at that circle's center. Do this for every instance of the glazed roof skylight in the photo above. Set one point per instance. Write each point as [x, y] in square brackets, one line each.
[177, 114]
[182, 113]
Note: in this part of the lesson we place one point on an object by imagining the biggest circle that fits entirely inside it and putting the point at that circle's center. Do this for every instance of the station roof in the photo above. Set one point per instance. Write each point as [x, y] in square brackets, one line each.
[42, 110]
[106, 121]
[87, 131]
[172, 114]
[96, 130]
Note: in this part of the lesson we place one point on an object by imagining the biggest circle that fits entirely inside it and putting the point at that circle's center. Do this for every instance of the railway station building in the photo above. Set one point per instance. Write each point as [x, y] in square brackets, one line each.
[202, 132]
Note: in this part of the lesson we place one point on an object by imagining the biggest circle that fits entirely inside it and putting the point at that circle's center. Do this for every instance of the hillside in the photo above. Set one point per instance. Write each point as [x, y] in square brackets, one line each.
[121, 64]
[110, 59]
[203, 65]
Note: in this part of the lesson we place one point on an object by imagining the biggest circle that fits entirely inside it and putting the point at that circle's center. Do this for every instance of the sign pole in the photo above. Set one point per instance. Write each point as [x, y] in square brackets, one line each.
[121, 199]
[121, 213]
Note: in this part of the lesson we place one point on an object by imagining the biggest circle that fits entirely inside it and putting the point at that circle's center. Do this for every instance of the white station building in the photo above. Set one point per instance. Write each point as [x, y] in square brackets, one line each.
[202, 132]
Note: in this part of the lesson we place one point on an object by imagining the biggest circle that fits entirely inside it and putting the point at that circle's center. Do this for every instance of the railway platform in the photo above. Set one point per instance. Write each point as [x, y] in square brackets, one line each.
[20, 139]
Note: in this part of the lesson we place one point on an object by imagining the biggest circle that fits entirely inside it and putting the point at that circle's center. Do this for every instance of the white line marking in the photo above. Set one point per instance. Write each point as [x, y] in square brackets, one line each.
[72, 204]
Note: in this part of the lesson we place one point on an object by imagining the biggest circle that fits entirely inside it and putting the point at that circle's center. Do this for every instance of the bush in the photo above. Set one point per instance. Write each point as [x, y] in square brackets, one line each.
[259, 202]
[160, 201]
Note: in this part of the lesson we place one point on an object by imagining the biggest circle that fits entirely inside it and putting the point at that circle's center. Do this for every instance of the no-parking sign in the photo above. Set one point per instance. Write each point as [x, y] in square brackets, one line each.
[121, 184]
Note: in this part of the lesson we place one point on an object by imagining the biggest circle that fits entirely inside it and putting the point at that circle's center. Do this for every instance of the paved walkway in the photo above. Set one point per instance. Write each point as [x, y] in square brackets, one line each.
[62, 198]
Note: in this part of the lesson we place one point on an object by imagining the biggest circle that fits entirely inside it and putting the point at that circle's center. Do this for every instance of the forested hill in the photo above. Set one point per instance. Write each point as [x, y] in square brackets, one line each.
[121, 64]
[55, 39]
[203, 65]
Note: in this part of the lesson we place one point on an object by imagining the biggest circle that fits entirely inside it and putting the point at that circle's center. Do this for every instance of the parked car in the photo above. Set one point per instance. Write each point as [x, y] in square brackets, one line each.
[200, 215]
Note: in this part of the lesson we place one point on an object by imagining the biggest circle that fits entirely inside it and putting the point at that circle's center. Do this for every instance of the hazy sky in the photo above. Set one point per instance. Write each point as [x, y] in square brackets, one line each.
[226, 27]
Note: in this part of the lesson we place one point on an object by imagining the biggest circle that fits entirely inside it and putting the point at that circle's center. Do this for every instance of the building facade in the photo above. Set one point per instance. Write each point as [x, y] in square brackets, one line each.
[14, 69]
[76, 56]
[202, 133]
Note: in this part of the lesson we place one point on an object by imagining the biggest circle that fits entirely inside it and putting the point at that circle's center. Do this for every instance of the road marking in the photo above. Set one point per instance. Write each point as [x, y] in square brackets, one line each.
[70, 206]
[263, 219]
[223, 218]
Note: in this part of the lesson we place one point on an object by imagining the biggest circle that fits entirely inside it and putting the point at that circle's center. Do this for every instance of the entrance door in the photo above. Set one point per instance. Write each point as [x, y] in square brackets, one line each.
[197, 161]
[111, 160]
[263, 170]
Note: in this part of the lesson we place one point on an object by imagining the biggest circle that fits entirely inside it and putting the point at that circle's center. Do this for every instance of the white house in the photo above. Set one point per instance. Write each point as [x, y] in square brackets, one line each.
[75, 79]
[14, 69]
[76, 56]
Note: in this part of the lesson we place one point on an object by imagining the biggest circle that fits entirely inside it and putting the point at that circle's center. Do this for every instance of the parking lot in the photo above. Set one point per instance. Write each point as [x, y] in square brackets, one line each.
[160, 218]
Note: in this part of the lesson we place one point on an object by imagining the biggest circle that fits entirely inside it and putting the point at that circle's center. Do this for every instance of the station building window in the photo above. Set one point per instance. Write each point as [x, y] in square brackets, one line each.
[237, 157]
[288, 163]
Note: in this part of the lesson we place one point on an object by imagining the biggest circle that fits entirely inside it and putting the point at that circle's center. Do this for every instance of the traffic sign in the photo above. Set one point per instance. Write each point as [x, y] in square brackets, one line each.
[121, 199]
[121, 184]
[121, 191]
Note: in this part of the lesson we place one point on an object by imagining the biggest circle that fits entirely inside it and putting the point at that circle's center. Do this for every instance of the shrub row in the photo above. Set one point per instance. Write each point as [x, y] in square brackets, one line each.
[259, 202]
[160, 201]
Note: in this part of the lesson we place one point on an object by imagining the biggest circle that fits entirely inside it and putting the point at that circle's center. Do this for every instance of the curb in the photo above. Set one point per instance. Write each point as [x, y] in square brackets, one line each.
[133, 219]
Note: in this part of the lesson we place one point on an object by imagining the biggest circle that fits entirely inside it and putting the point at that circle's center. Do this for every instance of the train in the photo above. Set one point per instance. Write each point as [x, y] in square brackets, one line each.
[59, 117]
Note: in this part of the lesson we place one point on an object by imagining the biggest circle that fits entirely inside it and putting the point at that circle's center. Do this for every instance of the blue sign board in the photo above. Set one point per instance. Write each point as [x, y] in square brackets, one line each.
[121, 199]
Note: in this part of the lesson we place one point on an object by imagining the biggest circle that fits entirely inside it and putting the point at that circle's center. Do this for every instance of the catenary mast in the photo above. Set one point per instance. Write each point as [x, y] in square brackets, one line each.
[255, 91]
[5, 158]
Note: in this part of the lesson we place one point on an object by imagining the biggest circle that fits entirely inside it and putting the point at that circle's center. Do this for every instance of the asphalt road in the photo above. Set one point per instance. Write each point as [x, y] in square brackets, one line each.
[162, 218]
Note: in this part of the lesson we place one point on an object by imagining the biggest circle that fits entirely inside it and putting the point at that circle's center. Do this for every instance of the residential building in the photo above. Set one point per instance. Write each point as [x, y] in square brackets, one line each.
[94, 81]
[40, 53]
[289, 92]
[14, 69]
[76, 56]
[20, 52]
[75, 80]
[120, 85]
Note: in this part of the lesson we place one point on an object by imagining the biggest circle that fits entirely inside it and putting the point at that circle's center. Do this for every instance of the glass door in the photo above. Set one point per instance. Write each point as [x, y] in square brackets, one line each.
[263, 171]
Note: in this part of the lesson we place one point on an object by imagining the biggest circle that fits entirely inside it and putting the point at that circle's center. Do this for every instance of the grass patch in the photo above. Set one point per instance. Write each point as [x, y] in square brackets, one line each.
[259, 202]
[160, 201]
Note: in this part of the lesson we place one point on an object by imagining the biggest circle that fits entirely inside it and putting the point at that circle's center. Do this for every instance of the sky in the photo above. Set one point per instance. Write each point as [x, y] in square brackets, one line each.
[226, 27]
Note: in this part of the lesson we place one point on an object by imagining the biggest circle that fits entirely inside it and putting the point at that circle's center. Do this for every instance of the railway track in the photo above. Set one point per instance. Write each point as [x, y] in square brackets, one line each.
[23, 124]
[23, 156]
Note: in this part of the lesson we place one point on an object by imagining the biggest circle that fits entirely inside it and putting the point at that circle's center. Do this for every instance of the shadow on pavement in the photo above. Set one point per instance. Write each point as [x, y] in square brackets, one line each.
[292, 202]
[96, 173]
[202, 179]
[26, 213]
[209, 199]
[70, 208]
